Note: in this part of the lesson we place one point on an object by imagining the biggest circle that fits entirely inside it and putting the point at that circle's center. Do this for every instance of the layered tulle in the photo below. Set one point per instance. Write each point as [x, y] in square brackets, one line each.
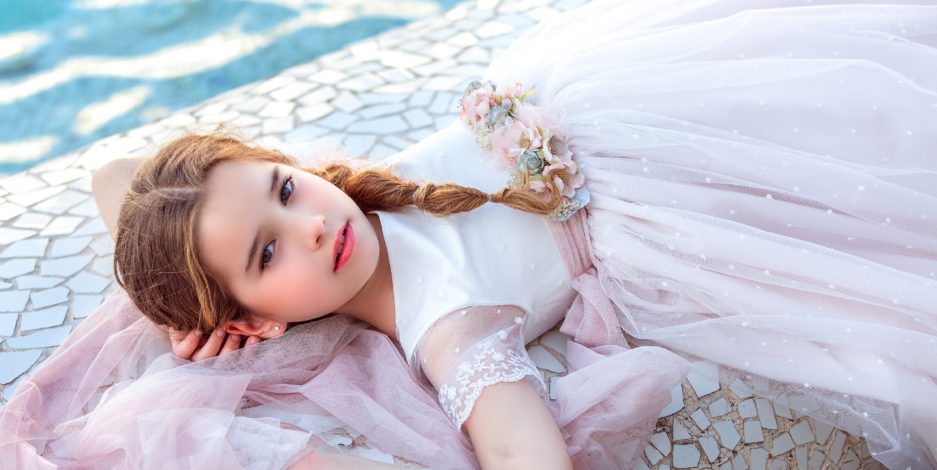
[764, 193]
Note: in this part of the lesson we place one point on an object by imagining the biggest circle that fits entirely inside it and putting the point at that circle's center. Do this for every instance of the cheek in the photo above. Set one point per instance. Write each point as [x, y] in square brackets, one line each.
[295, 291]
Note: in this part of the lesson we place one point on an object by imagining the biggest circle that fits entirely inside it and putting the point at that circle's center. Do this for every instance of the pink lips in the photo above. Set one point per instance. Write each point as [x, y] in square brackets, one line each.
[347, 248]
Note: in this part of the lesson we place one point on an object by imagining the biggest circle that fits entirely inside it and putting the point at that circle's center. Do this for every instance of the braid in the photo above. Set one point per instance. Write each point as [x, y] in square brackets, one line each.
[375, 189]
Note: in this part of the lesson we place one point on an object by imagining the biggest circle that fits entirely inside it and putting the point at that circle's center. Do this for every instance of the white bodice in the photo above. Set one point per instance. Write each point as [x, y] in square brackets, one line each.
[493, 255]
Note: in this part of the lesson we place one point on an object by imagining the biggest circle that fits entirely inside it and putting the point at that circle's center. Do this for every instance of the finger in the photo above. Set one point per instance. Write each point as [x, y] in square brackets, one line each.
[184, 346]
[211, 347]
[252, 340]
[231, 344]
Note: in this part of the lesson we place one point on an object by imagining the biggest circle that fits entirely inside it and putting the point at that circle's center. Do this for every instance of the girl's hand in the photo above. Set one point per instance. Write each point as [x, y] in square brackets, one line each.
[195, 346]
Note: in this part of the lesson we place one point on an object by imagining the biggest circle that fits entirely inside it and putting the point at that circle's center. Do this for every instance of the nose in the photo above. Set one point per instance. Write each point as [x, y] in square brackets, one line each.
[313, 229]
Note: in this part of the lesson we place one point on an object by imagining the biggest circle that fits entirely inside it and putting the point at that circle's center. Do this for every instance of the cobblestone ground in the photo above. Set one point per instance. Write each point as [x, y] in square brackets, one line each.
[375, 98]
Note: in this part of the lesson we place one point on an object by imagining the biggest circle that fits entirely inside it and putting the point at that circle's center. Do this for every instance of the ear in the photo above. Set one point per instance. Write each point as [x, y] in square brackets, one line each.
[255, 326]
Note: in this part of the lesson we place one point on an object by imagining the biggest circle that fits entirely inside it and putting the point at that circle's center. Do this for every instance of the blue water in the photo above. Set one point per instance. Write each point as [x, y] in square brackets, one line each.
[45, 81]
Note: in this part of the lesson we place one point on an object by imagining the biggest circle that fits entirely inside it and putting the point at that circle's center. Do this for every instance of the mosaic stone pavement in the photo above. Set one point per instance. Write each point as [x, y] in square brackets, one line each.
[375, 98]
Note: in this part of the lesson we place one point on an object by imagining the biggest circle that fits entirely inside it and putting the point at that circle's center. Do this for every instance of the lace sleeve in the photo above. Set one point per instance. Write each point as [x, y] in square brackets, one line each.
[474, 348]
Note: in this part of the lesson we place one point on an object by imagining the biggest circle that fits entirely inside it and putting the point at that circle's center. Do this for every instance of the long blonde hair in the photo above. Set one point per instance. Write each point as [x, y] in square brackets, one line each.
[156, 257]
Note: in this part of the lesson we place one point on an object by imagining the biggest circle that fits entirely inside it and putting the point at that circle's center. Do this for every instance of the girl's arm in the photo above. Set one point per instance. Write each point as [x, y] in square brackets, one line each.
[109, 184]
[511, 428]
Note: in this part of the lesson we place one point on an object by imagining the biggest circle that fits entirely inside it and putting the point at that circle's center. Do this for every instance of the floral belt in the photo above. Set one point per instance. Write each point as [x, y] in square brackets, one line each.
[525, 137]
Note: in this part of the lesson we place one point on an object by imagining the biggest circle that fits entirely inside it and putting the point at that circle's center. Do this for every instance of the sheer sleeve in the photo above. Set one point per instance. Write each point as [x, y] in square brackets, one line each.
[473, 348]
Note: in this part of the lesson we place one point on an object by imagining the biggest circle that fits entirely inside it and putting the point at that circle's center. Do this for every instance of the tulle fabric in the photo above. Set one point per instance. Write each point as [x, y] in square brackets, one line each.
[764, 193]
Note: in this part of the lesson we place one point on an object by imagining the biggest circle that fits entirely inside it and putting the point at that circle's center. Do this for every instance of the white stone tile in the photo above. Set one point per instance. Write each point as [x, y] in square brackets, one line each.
[337, 120]
[347, 102]
[747, 409]
[553, 387]
[291, 92]
[320, 95]
[272, 84]
[87, 208]
[816, 460]
[211, 108]
[700, 419]
[375, 455]
[66, 175]
[710, 447]
[802, 433]
[445, 103]
[382, 151]
[417, 44]
[17, 267]
[62, 225]
[676, 401]
[13, 301]
[32, 220]
[305, 133]
[443, 122]
[718, 408]
[382, 126]
[778, 464]
[396, 142]
[14, 364]
[752, 431]
[64, 267]
[68, 246]
[442, 51]
[653, 455]
[468, 70]
[222, 118]
[401, 59]
[5, 285]
[446, 83]
[82, 184]
[544, 360]
[782, 411]
[555, 341]
[87, 283]
[728, 435]
[37, 282]
[244, 120]
[738, 462]
[759, 458]
[385, 109]
[277, 109]
[739, 389]
[277, 125]
[47, 297]
[359, 144]
[41, 339]
[32, 247]
[680, 432]
[104, 245]
[327, 76]
[475, 55]
[418, 118]
[21, 183]
[104, 266]
[704, 378]
[436, 68]
[766, 414]
[363, 82]
[7, 323]
[823, 431]
[36, 319]
[8, 210]
[662, 442]
[685, 456]
[782, 444]
[421, 98]
[10, 235]
[640, 465]
[364, 51]
[463, 40]
[395, 76]
[420, 134]
[313, 112]
[253, 105]
[370, 98]
[493, 28]
[83, 305]
[800, 454]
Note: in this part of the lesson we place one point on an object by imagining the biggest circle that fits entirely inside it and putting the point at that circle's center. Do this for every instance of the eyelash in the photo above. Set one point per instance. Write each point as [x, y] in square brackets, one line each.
[287, 187]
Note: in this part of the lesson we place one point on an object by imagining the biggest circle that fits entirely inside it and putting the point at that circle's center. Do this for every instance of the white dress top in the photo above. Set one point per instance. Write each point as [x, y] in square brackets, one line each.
[493, 255]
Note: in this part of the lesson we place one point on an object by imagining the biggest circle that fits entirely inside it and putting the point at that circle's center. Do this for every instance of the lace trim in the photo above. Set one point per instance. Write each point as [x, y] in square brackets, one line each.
[486, 367]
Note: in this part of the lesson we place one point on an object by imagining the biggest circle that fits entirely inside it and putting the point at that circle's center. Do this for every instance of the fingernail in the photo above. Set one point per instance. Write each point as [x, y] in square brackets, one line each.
[198, 332]
[236, 337]
[220, 333]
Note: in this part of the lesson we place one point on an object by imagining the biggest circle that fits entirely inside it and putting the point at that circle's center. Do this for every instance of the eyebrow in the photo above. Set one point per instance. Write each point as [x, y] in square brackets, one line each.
[250, 256]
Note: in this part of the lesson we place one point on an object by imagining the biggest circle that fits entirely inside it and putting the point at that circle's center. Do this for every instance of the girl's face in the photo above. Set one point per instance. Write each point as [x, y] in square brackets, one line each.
[272, 233]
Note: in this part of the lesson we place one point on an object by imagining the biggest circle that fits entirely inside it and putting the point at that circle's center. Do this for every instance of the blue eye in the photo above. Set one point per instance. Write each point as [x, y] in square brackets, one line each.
[266, 255]
[286, 190]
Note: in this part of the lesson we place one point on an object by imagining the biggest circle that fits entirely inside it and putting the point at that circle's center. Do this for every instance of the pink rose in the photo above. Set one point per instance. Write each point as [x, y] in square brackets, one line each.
[565, 176]
[512, 139]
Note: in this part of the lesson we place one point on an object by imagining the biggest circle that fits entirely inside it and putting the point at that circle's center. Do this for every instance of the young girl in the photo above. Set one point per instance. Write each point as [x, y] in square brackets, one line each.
[751, 187]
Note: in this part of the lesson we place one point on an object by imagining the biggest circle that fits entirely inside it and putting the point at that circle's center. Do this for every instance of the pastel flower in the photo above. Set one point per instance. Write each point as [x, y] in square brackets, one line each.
[532, 162]
[565, 176]
[513, 139]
